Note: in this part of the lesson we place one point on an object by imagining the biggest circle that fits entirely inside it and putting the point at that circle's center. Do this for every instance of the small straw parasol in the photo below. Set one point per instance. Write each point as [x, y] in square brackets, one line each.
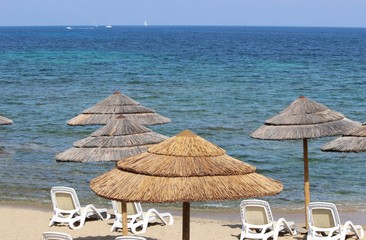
[352, 141]
[5, 121]
[184, 168]
[120, 138]
[304, 119]
[115, 105]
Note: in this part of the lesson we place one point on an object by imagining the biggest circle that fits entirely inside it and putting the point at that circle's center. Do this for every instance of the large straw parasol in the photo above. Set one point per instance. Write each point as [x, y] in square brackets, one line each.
[120, 138]
[304, 119]
[5, 121]
[184, 168]
[115, 105]
[352, 141]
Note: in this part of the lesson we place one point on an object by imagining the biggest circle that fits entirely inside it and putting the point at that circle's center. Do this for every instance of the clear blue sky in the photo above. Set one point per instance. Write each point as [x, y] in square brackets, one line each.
[334, 13]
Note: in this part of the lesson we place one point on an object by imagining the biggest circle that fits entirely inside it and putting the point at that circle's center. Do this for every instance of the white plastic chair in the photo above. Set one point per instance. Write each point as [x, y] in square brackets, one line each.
[258, 223]
[137, 218]
[55, 236]
[67, 209]
[130, 238]
[325, 224]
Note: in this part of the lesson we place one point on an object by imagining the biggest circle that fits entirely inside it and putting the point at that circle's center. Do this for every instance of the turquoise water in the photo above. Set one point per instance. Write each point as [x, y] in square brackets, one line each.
[220, 82]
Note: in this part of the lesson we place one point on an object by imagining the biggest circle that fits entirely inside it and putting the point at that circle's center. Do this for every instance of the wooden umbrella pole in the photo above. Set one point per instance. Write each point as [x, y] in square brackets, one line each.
[186, 220]
[306, 180]
[124, 219]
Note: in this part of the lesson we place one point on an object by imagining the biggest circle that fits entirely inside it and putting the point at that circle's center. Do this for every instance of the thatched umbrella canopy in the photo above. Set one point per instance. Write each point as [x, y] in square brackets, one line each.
[304, 119]
[352, 141]
[115, 105]
[185, 168]
[5, 121]
[119, 139]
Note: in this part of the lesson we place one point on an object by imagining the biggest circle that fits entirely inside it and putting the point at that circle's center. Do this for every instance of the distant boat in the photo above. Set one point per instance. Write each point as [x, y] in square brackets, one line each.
[69, 28]
[108, 26]
[145, 24]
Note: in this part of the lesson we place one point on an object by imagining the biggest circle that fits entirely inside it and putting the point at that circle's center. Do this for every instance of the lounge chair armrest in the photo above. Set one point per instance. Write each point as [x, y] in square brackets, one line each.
[257, 226]
[330, 230]
[160, 216]
[350, 227]
[283, 224]
[263, 227]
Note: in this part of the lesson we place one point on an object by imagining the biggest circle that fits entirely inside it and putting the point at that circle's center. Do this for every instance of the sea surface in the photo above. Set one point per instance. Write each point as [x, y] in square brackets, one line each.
[220, 82]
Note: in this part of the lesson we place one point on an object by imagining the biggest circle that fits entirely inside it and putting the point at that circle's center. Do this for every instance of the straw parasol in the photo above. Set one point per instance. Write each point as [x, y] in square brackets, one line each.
[5, 121]
[185, 168]
[120, 138]
[115, 105]
[352, 141]
[304, 119]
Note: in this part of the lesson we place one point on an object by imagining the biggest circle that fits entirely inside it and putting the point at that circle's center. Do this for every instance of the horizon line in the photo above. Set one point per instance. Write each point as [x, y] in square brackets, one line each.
[181, 25]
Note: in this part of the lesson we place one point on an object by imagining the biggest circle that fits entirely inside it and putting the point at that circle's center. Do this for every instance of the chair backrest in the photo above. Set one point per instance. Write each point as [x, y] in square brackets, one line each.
[64, 198]
[55, 236]
[132, 208]
[323, 215]
[256, 212]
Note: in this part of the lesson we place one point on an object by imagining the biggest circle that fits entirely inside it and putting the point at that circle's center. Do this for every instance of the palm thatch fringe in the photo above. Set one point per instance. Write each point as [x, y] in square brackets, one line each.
[115, 105]
[352, 141]
[102, 119]
[5, 121]
[305, 111]
[99, 154]
[120, 141]
[293, 132]
[346, 144]
[173, 166]
[187, 144]
[304, 118]
[286, 118]
[117, 98]
[120, 126]
[357, 132]
[128, 109]
[130, 187]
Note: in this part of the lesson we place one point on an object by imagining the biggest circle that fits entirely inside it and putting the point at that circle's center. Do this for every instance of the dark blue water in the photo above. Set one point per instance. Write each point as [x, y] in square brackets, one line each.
[220, 82]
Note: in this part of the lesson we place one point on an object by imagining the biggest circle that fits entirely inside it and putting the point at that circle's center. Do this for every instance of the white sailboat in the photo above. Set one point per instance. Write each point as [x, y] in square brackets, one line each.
[145, 23]
[108, 26]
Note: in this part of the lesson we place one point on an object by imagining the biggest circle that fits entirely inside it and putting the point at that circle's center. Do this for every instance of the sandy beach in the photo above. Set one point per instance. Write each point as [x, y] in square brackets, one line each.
[29, 222]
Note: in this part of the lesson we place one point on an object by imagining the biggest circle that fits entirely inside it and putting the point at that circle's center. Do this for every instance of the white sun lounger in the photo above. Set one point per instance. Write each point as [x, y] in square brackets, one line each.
[325, 224]
[67, 209]
[258, 223]
[137, 218]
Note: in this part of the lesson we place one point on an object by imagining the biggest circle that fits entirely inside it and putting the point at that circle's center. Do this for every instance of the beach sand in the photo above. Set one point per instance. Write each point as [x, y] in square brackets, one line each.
[29, 222]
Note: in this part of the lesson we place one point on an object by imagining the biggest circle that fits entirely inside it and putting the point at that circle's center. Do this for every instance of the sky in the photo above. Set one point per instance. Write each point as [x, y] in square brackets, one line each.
[324, 13]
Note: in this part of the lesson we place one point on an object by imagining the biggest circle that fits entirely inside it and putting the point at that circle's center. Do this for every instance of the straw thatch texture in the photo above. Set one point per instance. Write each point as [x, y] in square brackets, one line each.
[99, 154]
[131, 187]
[183, 168]
[113, 106]
[352, 141]
[119, 139]
[5, 121]
[304, 118]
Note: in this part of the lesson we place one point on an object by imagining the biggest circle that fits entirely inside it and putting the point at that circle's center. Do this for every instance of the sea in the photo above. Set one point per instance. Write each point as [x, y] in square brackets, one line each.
[221, 82]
